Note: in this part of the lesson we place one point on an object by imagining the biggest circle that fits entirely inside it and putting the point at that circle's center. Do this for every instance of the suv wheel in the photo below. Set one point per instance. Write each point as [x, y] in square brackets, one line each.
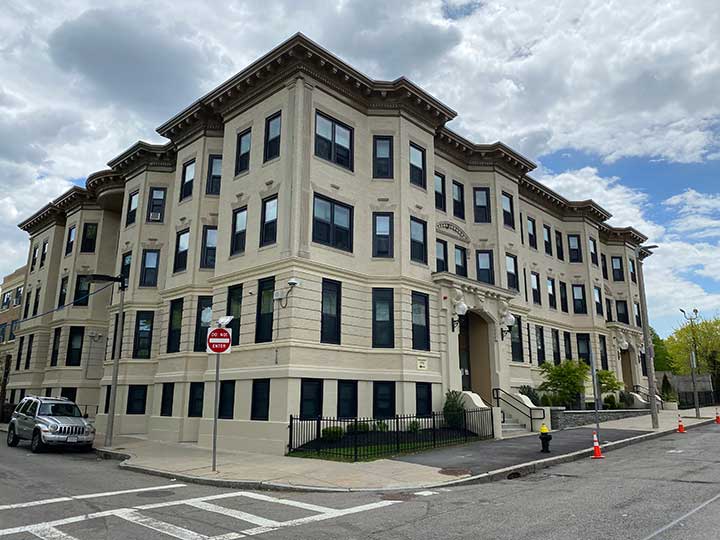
[36, 444]
[12, 439]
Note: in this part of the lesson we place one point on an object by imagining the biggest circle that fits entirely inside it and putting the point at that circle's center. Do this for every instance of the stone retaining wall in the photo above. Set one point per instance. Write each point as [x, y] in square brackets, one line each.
[562, 419]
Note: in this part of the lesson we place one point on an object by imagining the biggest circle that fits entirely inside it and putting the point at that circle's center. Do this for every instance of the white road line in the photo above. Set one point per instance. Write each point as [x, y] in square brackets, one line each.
[159, 526]
[50, 533]
[425, 493]
[286, 502]
[237, 514]
[682, 518]
[86, 496]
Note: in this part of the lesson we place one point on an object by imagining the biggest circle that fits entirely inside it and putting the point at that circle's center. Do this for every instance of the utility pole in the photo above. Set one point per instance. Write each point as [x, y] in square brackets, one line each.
[693, 358]
[647, 339]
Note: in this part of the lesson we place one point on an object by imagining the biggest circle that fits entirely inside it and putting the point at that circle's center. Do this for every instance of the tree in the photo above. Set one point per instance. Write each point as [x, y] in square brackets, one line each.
[608, 382]
[566, 381]
[707, 338]
[663, 362]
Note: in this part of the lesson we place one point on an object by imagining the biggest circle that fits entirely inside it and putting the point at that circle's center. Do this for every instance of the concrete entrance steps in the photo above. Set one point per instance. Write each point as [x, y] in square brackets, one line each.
[513, 428]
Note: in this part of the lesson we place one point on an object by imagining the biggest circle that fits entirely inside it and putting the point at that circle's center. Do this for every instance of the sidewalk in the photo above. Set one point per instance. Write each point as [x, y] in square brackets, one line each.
[473, 462]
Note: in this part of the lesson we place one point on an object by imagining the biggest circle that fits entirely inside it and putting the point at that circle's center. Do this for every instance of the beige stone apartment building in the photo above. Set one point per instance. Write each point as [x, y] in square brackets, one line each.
[344, 226]
[11, 298]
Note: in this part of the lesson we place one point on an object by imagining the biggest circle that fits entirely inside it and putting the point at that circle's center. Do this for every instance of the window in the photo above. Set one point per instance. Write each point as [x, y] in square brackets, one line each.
[418, 240]
[142, 344]
[311, 398]
[532, 232]
[643, 364]
[268, 221]
[460, 261]
[126, 261]
[552, 297]
[209, 247]
[7, 297]
[28, 356]
[567, 338]
[547, 239]
[69, 392]
[227, 400]
[33, 260]
[423, 399]
[485, 270]
[333, 141]
[617, 268]
[633, 275]
[597, 296]
[137, 399]
[195, 399]
[36, 303]
[187, 179]
[89, 238]
[107, 400]
[264, 315]
[26, 311]
[516, 345]
[383, 399]
[382, 156]
[239, 228]
[156, 205]
[458, 194]
[638, 316]
[242, 152]
[439, 191]
[75, 345]
[535, 286]
[271, 149]
[621, 309]
[55, 347]
[382, 234]
[166, 399]
[593, 251]
[540, 340]
[214, 175]
[82, 291]
[508, 211]
[608, 309]
[481, 204]
[441, 256]
[583, 345]
[574, 248]
[579, 303]
[330, 314]
[131, 214]
[234, 308]
[559, 245]
[522, 230]
[417, 165]
[260, 403]
[18, 357]
[149, 270]
[182, 242]
[420, 321]
[43, 255]
[200, 344]
[603, 353]
[603, 264]
[383, 325]
[563, 297]
[13, 326]
[70, 240]
[3, 330]
[332, 223]
[511, 268]
[175, 325]
[347, 399]
[556, 346]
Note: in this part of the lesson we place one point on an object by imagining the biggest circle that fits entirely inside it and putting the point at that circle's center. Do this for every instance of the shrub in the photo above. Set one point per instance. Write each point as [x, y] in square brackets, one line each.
[626, 399]
[332, 434]
[414, 426]
[666, 390]
[362, 427]
[546, 400]
[610, 402]
[454, 409]
[531, 393]
[381, 425]
[566, 381]
[608, 382]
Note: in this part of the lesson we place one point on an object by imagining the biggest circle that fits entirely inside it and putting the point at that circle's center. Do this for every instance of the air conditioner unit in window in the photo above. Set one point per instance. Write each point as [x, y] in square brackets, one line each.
[155, 216]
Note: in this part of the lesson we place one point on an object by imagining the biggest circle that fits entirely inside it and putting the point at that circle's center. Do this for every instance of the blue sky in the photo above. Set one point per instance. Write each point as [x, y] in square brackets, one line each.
[615, 100]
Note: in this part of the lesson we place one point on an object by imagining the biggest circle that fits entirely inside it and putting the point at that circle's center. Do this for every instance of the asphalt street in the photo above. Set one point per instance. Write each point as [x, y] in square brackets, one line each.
[667, 489]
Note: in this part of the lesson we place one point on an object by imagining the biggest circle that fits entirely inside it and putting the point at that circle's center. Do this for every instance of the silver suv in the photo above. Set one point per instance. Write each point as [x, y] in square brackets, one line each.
[49, 421]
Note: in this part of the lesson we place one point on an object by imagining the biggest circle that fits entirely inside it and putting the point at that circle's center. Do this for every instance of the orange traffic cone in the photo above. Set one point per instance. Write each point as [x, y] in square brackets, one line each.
[681, 427]
[597, 453]
[717, 417]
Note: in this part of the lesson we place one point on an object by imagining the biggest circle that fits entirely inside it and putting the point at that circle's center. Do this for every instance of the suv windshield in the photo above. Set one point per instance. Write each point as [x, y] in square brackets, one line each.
[59, 409]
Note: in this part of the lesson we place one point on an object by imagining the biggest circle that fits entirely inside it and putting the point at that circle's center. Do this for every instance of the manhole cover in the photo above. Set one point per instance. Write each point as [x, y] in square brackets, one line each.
[454, 471]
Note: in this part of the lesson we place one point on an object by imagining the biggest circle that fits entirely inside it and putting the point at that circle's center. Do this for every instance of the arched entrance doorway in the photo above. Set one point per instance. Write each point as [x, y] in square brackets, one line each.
[474, 351]
[627, 370]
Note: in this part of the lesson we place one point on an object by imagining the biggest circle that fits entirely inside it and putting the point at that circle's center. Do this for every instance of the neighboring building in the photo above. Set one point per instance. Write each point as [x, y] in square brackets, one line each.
[302, 168]
[11, 297]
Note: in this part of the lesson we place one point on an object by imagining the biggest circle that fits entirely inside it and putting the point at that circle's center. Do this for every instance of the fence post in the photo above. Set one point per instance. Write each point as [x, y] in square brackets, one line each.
[317, 435]
[465, 423]
[355, 443]
[290, 436]
[433, 430]
[397, 433]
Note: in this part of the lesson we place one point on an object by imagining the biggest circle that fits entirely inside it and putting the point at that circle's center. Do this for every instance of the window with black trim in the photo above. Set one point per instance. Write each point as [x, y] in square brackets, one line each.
[441, 256]
[201, 327]
[209, 247]
[552, 297]
[268, 221]
[574, 248]
[131, 214]
[214, 174]
[417, 165]
[383, 323]
[271, 148]
[260, 401]
[511, 268]
[195, 399]
[567, 337]
[332, 223]
[540, 343]
[76, 337]
[36, 302]
[242, 151]
[559, 248]
[579, 301]
[234, 308]
[608, 309]
[107, 400]
[26, 311]
[532, 232]
[535, 287]
[72, 231]
[330, 311]
[33, 260]
[137, 399]
[592, 243]
[264, 314]
[460, 261]
[564, 297]
[556, 346]
[175, 325]
[28, 356]
[89, 238]
[149, 269]
[508, 210]
[125, 264]
[597, 296]
[382, 156]
[182, 243]
[383, 399]
[638, 315]
[142, 343]
[333, 141]
[481, 205]
[418, 240]
[166, 399]
[55, 351]
[62, 296]
[583, 345]
[383, 234]
[516, 344]
[18, 356]
[226, 406]
[603, 264]
[458, 195]
[156, 205]
[43, 255]
[311, 398]
[420, 321]
[81, 294]
[187, 179]
[547, 239]
[440, 195]
[485, 269]
[347, 399]
[423, 399]
[617, 268]
[239, 230]
[603, 353]
[631, 269]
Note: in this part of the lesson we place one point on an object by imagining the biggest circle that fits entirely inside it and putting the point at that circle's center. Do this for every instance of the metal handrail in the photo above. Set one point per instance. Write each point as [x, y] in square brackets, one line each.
[498, 396]
[645, 394]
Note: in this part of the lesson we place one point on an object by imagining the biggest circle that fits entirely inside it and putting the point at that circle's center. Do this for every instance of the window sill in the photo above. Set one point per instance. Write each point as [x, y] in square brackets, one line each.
[418, 263]
[178, 272]
[213, 195]
[147, 287]
[236, 255]
[334, 165]
[267, 247]
[381, 259]
[186, 200]
[241, 174]
[421, 188]
[271, 161]
[333, 249]
[383, 179]
[509, 228]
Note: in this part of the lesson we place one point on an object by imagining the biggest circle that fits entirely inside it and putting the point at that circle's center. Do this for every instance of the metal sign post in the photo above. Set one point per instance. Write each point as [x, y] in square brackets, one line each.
[219, 341]
[596, 392]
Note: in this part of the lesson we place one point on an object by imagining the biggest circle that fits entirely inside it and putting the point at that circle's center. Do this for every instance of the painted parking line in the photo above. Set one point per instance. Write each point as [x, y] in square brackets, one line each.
[87, 496]
[682, 518]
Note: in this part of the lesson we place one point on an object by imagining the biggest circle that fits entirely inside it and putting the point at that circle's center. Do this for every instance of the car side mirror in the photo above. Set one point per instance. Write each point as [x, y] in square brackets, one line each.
[85, 416]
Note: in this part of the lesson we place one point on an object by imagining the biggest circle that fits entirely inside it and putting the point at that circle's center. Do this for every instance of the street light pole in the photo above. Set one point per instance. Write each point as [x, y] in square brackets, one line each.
[693, 358]
[647, 339]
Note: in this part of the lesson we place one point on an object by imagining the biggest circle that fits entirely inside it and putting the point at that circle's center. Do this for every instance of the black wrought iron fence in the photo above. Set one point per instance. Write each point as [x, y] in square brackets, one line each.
[358, 439]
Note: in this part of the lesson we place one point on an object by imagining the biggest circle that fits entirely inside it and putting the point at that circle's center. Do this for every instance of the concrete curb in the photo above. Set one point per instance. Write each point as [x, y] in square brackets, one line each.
[506, 473]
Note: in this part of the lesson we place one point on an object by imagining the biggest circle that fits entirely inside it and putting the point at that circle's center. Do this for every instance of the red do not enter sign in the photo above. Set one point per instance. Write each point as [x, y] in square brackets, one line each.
[219, 340]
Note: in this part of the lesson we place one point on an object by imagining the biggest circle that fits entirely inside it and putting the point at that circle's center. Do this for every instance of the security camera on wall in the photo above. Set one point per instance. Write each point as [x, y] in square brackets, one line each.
[293, 282]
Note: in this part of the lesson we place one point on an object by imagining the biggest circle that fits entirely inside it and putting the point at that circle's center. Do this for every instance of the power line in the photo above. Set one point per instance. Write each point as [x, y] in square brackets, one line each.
[59, 308]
